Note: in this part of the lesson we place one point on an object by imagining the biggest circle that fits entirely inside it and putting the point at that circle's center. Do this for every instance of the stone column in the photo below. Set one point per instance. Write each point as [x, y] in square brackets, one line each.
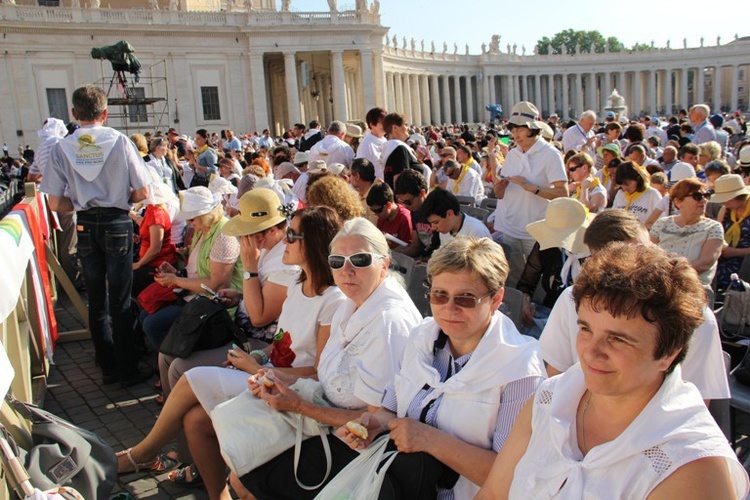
[389, 91]
[578, 77]
[565, 97]
[606, 90]
[637, 101]
[437, 115]
[470, 108]
[735, 84]
[292, 90]
[700, 95]
[717, 90]
[621, 79]
[457, 98]
[378, 80]
[338, 78]
[260, 99]
[491, 97]
[592, 91]
[424, 93]
[550, 94]
[516, 89]
[446, 112]
[408, 109]
[652, 91]
[416, 100]
[369, 80]
[538, 92]
[684, 73]
[486, 99]
[399, 97]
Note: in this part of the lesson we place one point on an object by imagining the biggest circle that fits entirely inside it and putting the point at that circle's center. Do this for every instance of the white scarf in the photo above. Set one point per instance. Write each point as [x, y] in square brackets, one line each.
[572, 266]
[390, 146]
[88, 148]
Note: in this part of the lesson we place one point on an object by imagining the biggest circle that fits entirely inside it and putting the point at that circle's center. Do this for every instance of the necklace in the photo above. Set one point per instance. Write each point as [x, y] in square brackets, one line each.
[583, 423]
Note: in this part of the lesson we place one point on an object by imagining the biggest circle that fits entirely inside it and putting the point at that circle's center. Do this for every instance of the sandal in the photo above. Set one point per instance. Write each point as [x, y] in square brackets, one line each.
[187, 475]
[159, 399]
[163, 462]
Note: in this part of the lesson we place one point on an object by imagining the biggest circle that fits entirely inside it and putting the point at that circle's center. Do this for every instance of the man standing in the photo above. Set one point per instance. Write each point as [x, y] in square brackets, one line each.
[371, 146]
[533, 174]
[232, 143]
[702, 128]
[311, 137]
[266, 141]
[333, 149]
[581, 136]
[104, 173]
[397, 155]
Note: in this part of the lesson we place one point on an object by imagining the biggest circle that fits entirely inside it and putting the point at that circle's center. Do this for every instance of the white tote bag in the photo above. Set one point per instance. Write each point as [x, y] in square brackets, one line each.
[250, 433]
[361, 479]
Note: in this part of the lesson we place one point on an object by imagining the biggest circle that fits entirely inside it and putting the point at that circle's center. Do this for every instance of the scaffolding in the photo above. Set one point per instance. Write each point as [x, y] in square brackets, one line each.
[137, 106]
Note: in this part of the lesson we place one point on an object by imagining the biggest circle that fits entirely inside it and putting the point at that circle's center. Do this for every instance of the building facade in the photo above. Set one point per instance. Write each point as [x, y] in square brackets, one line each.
[249, 66]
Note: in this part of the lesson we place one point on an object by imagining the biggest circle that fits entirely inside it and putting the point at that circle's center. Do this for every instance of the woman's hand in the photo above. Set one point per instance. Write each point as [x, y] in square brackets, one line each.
[371, 423]
[166, 267]
[523, 182]
[167, 280]
[136, 265]
[280, 397]
[242, 360]
[249, 253]
[411, 436]
[229, 297]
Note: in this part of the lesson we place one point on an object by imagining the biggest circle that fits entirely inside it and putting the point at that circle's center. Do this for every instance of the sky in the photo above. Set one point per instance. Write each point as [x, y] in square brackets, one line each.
[524, 23]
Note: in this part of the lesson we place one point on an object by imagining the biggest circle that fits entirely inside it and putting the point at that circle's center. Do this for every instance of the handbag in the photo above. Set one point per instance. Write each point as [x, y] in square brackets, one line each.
[154, 297]
[363, 477]
[64, 455]
[734, 315]
[250, 433]
[203, 324]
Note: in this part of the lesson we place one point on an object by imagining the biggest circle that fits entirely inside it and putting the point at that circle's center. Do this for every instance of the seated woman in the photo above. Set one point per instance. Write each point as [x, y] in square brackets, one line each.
[635, 194]
[731, 191]
[690, 233]
[368, 336]
[155, 232]
[307, 240]
[468, 376]
[584, 186]
[212, 261]
[622, 423]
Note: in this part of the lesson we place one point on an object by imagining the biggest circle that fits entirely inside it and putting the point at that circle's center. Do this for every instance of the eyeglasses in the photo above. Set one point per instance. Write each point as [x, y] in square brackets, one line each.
[405, 202]
[291, 236]
[377, 210]
[360, 260]
[700, 195]
[464, 301]
[574, 168]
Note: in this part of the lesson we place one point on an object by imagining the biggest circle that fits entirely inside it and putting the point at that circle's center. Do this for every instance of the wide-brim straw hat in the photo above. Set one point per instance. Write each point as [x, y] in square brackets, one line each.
[196, 201]
[744, 159]
[353, 130]
[560, 226]
[259, 210]
[525, 114]
[728, 187]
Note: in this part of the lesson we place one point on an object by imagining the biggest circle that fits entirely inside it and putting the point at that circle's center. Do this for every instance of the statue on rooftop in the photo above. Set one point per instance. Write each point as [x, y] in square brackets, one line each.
[701, 42]
[467, 49]
[718, 40]
[395, 42]
[375, 7]
[495, 44]
[669, 42]
[421, 44]
[154, 4]
[95, 4]
[432, 46]
[250, 4]
[515, 47]
[523, 50]
[445, 47]
[484, 48]
[413, 45]
[563, 49]
[174, 5]
[286, 5]
[455, 48]
[332, 6]
[578, 47]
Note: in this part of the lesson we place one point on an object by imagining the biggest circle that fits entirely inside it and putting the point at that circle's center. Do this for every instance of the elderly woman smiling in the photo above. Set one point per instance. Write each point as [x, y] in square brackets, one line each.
[622, 423]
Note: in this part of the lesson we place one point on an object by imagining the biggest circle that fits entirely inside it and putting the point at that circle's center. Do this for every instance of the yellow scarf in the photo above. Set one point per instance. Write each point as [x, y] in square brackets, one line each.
[605, 176]
[577, 195]
[732, 235]
[201, 149]
[464, 169]
[631, 197]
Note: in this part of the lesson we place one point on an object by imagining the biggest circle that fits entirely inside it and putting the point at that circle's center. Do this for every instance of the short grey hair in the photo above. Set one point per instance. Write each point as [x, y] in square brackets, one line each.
[365, 230]
[482, 257]
[589, 113]
[703, 108]
[337, 127]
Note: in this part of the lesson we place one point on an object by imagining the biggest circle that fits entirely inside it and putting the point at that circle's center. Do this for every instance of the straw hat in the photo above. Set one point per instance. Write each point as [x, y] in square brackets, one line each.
[354, 131]
[728, 187]
[259, 210]
[612, 147]
[745, 157]
[680, 171]
[196, 201]
[525, 114]
[299, 158]
[563, 220]
[316, 166]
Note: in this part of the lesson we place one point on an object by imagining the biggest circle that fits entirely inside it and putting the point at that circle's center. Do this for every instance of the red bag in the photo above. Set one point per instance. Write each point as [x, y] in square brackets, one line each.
[282, 354]
[154, 297]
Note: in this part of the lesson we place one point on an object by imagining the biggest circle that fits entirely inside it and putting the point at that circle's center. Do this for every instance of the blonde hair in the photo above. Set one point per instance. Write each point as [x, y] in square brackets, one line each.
[482, 257]
[712, 149]
[140, 142]
[212, 217]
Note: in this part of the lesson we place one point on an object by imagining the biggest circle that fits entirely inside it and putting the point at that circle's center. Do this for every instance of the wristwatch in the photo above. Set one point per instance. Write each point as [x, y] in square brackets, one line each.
[247, 275]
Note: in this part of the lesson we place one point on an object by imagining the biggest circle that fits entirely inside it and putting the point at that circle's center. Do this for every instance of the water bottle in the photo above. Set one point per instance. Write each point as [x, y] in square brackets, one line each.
[736, 283]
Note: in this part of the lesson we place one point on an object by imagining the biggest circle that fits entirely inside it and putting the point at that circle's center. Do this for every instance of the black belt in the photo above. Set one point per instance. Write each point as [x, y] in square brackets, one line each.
[102, 210]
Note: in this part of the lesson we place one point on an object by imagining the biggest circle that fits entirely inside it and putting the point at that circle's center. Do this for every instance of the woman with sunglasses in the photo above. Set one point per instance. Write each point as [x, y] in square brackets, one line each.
[303, 326]
[584, 187]
[691, 234]
[368, 335]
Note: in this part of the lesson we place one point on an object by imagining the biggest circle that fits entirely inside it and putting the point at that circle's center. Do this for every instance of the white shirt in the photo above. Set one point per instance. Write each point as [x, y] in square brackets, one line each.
[471, 227]
[574, 139]
[331, 150]
[371, 148]
[641, 207]
[470, 185]
[542, 165]
[366, 345]
[703, 364]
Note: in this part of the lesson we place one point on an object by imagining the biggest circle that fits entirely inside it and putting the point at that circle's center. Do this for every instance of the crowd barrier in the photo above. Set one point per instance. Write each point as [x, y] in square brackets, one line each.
[28, 290]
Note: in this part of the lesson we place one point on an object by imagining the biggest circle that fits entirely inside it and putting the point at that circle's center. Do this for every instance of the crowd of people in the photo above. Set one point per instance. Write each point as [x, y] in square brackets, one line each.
[618, 234]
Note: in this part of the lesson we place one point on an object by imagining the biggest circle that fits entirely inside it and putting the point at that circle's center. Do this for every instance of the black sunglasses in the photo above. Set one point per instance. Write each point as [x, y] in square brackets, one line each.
[700, 195]
[574, 168]
[360, 260]
[291, 236]
[377, 210]
[406, 203]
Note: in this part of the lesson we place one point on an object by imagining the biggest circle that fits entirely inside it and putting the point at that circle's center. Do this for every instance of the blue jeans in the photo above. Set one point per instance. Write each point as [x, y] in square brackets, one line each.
[156, 325]
[105, 248]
